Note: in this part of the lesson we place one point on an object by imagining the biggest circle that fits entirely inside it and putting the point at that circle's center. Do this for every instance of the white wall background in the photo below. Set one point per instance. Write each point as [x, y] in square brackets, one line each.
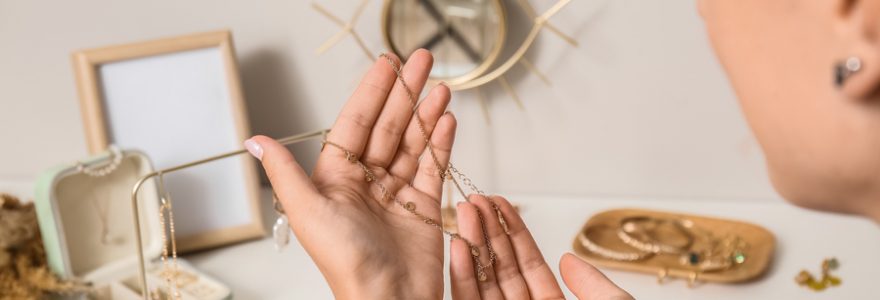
[641, 108]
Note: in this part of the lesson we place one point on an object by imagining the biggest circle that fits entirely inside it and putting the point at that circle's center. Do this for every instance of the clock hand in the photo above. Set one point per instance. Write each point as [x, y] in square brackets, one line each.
[433, 11]
[448, 29]
[463, 44]
[436, 38]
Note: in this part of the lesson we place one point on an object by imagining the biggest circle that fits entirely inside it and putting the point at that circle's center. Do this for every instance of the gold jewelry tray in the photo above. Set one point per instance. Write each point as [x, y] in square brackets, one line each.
[759, 253]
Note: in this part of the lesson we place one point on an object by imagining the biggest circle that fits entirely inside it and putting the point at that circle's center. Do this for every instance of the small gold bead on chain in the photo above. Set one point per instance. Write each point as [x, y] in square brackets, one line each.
[483, 276]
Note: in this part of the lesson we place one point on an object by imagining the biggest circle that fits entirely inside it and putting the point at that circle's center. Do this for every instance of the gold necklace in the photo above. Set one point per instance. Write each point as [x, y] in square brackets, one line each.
[409, 206]
[95, 172]
[447, 173]
[169, 271]
[103, 217]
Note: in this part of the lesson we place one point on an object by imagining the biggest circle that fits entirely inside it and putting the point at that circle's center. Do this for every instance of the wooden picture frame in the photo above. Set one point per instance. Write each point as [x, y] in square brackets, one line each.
[178, 99]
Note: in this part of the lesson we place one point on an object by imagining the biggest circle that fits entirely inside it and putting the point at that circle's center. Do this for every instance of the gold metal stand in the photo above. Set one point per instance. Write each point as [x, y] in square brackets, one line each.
[142, 273]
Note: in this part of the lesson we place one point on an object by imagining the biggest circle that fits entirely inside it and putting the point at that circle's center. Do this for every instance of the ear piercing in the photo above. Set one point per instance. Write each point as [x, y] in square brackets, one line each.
[843, 70]
[804, 278]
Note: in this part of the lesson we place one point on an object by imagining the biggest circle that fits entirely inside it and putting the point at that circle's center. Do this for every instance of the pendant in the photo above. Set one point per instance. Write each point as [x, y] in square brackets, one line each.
[281, 232]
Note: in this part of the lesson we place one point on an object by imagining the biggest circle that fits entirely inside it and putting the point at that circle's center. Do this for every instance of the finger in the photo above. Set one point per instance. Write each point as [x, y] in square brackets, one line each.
[425, 205]
[461, 271]
[429, 179]
[406, 162]
[537, 274]
[586, 282]
[289, 181]
[470, 228]
[512, 284]
[392, 121]
[427, 187]
[353, 126]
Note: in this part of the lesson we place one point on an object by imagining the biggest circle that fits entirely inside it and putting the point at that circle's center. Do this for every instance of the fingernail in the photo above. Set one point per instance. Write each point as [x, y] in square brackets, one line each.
[255, 149]
[459, 203]
[443, 83]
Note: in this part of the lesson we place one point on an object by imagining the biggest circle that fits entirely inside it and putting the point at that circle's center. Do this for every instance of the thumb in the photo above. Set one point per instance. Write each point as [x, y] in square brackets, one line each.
[587, 282]
[292, 185]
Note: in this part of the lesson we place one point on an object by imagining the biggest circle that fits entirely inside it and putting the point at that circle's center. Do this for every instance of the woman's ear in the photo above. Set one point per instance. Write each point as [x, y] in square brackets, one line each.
[858, 26]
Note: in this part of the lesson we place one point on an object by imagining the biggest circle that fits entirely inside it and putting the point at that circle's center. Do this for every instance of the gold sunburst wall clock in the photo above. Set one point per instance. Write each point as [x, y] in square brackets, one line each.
[472, 40]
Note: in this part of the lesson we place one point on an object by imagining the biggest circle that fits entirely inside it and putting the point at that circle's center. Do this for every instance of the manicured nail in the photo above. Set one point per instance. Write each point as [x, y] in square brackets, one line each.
[255, 149]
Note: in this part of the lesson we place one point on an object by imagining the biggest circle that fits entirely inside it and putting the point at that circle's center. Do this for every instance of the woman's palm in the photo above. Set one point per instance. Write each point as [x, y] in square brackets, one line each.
[342, 219]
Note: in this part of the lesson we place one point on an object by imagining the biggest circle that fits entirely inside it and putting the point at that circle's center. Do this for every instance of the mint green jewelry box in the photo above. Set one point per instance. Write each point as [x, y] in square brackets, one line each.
[73, 209]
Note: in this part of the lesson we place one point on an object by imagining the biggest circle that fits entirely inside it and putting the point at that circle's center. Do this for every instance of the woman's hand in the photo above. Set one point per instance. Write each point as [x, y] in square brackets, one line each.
[520, 271]
[367, 247]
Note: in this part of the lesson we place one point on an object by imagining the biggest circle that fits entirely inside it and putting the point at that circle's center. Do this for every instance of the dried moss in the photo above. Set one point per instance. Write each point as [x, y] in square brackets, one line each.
[23, 270]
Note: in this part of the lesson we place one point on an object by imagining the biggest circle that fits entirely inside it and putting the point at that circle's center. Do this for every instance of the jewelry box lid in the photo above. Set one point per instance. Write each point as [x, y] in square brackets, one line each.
[85, 216]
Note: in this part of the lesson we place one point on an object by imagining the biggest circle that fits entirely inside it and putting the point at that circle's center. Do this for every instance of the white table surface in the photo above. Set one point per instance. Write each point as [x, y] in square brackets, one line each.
[255, 271]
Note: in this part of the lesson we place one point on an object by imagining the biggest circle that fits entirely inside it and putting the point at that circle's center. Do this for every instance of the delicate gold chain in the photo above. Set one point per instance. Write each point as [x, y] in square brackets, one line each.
[410, 206]
[449, 171]
[95, 172]
[103, 217]
[444, 173]
[164, 256]
[169, 274]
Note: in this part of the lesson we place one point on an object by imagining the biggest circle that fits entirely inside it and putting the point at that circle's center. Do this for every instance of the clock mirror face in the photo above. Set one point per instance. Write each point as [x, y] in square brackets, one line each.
[465, 36]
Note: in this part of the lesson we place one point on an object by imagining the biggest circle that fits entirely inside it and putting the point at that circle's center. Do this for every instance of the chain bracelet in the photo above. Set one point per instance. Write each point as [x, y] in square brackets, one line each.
[116, 160]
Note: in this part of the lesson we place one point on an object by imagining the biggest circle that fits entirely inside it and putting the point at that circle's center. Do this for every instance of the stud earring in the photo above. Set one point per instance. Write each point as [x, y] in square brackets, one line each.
[843, 70]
